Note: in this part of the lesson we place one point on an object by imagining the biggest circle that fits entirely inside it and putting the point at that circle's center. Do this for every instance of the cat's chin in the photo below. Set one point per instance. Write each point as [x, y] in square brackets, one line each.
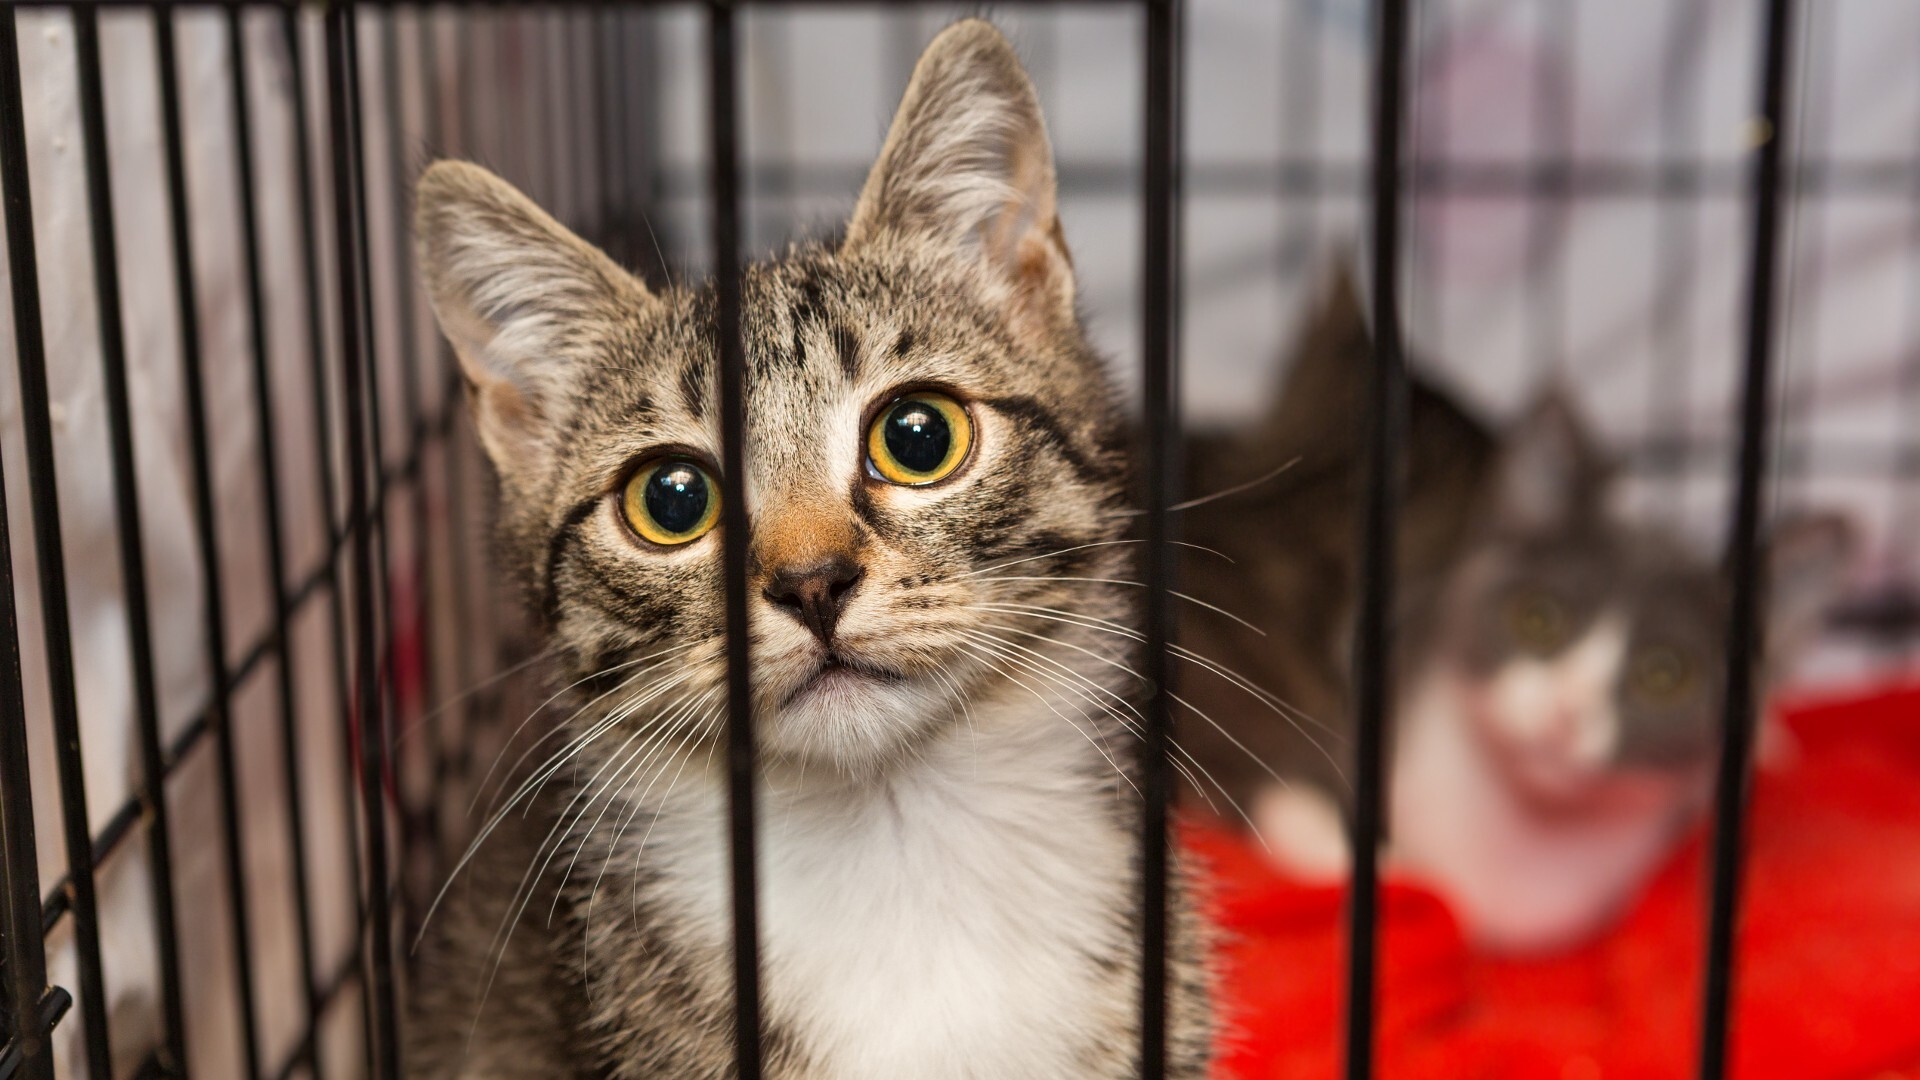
[852, 716]
[1551, 787]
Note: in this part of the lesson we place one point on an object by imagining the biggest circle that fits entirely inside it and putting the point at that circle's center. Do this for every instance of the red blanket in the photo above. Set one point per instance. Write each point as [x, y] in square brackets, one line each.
[1828, 976]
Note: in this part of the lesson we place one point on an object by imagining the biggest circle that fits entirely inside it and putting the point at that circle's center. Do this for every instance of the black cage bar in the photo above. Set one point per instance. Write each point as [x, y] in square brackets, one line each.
[345, 383]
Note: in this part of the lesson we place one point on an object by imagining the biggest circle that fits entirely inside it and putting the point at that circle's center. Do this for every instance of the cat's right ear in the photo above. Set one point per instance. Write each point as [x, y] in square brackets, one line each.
[1549, 474]
[966, 175]
[522, 299]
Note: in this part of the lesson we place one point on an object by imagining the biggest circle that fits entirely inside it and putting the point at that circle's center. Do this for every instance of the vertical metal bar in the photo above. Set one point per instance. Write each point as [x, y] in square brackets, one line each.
[470, 603]
[23, 1021]
[1805, 245]
[273, 525]
[723, 85]
[1373, 638]
[442, 383]
[126, 496]
[376, 425]
[320, 397]
[206, 530]
[1160, 272]
[343, 118]
[24, 1024]
[1743, 622]
[43, 491]
[459, 580]
[411, 398]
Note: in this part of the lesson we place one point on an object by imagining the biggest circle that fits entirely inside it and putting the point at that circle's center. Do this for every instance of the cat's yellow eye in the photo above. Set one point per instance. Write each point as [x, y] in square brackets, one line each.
[671, 501]
[1661, 674]
[919, 439]
[1537, 620]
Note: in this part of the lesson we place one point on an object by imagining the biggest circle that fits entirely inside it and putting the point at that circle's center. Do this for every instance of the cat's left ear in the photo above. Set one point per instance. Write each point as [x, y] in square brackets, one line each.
[966, 173]
[1550, 473]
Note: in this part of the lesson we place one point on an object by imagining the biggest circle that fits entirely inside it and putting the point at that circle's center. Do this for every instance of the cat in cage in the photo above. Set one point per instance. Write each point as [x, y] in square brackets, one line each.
[940, 476]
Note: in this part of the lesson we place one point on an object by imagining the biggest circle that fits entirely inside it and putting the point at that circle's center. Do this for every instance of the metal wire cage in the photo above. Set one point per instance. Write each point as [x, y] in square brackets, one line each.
[368, 547]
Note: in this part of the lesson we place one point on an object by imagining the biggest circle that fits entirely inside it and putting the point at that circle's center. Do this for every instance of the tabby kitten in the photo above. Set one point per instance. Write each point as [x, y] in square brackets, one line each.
[937, 466]
[1559, 664]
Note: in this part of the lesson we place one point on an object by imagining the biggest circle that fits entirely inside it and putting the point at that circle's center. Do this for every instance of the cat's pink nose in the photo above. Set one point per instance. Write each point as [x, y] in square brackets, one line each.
[816, 594]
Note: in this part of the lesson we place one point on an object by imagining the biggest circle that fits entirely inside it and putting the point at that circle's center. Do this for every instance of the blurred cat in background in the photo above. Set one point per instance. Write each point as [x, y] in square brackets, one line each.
[1559, 665]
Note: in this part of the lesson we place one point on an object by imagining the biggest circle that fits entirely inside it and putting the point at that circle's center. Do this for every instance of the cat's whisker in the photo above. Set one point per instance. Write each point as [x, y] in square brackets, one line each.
[535, 782]
[990, 660]
[542, 859]
[645, 696]
[490, 681]
[1092, 622]
[624, 683]
[942, 672]
[1274, 704]
[494, 820]
[1227, 493]
[1137, 728]
[697, 708]
[663, 724]
[1084, 547]
[1139, 719]
[651, 734]
[1137, 585]
[537, 779]
[712, 714]
[1005, 650]
[1295, 716]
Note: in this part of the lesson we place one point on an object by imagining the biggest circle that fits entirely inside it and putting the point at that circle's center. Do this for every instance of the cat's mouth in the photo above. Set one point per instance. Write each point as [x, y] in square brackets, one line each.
[838, 671]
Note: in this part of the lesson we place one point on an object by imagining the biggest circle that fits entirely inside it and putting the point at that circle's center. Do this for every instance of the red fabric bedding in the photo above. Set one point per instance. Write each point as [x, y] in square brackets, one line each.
[1829, 946]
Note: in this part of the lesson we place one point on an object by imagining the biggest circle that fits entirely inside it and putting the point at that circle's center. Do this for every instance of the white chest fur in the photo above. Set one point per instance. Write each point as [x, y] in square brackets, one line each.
[936, 926]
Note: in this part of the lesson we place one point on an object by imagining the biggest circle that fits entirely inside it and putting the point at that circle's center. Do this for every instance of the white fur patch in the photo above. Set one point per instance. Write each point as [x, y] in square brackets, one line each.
[1303, 833]
[1557, 713]
[935, 925]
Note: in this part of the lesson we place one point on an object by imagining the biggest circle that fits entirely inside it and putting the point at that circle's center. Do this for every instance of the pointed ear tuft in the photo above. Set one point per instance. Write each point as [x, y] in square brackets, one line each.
[967, 171]
[522, 299]
[1549, 474]
[1329, 367]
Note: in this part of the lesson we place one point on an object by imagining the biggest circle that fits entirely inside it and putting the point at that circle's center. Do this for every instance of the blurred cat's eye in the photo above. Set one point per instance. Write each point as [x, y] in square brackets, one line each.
[919, 439]
[1537, 620]
[1660, 674]
[671, 501]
